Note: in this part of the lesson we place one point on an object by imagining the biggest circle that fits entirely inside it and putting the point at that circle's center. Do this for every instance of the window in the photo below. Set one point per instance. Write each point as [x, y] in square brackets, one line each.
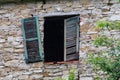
[61, 39]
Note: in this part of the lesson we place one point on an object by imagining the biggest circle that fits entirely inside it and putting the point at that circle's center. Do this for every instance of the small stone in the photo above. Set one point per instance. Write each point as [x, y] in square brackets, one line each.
[50, 10]
[76, 5]
[9, 6]
[117, 12]
[8, 49]
[114, 1]
[92, 33]
[67, 9]
[12, 63]
[18, 38]
[36, 77]
[115, 17]
[10, 39]
[16, 43]
[27, 73]
[91, 8]
[105, 1]
[96, 11]
[51, 66]
[9, 77]
[2, 67]
[39, 5]
[86, 78]
[58, 74]
[38, 71]
[2, 40]
[8, 57]
[23, 77]
[23, 66]
[47, 6]
[106, 8]
[48, 78]
[1, 45]
[68, 4]
[9, 15]
[56, 70]
[19, 50]
[3, 11]
[37, 65]
[19, 46]
[4, 71]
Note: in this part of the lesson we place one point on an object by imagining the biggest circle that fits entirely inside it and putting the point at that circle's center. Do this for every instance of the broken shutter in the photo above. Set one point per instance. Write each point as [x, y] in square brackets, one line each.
[32, 42]
[71, 38]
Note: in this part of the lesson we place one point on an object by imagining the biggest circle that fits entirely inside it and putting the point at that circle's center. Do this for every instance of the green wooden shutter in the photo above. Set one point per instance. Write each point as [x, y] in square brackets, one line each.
[32, 40]
[71, 38]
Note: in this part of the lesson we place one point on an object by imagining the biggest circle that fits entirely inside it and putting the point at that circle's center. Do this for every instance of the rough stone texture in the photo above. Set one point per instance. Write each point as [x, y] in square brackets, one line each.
[12, 63]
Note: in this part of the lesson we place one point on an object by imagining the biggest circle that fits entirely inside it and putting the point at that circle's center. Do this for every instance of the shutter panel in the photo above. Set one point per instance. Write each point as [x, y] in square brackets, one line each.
[71, 38]
[32, 41]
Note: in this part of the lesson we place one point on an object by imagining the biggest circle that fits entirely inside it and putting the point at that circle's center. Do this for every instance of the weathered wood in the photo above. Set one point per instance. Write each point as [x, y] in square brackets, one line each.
[71, 38]
[33, 51]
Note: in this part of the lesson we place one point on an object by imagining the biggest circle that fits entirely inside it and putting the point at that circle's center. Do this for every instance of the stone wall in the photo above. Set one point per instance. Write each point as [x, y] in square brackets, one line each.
[12, 63]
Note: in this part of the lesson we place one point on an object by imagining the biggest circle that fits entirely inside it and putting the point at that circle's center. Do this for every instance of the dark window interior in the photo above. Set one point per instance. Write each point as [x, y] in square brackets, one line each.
[54, 38]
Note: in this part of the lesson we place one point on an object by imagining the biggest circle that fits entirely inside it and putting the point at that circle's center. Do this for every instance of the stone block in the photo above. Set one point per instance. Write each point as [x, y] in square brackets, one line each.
[90, 8]
[48, 78]
[23, 77]
[63, 66]
[68, 9]
[3, 11]
[9, 77]
[39, 5]
[4, 72]
[1, 67]
[37, 65]
[114, 1]
[15, 43]
[23, 66]
[9, 15]
[51, 66]
[2, 40]
[96, 11]
[9, 6]
[19, 46]
[86, 78]
[10, 39]
[56, 70]
[105, 1]
[105, 8]
[19, 38]
[58, 74]
[30, 5]
[76, 5]
[1, 45]
[50, 10]
[47, 6]
[19, 50]
[68, 4]
[36, 76]
[115, 17]
[38, 71]
[27, 73]
[8, 49]
[7, 57]
[12, 63]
